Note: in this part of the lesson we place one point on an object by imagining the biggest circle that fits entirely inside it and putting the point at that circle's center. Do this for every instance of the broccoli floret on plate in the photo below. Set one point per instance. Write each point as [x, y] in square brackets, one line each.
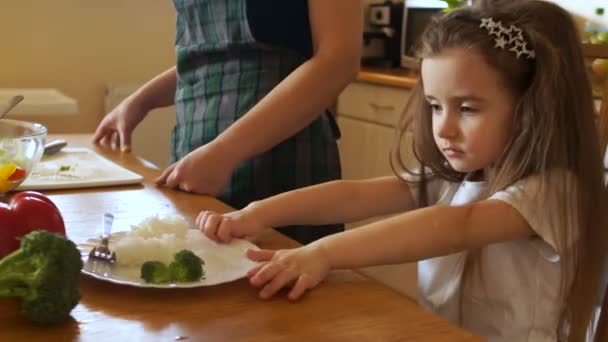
[44, 274]
[186, 267]
[155, 272]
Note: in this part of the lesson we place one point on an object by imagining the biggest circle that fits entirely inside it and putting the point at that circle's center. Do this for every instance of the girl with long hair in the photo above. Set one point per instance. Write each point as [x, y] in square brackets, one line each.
[506, 212]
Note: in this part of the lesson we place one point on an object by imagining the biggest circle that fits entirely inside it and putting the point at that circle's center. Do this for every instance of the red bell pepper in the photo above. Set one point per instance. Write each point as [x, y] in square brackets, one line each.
[25, 212]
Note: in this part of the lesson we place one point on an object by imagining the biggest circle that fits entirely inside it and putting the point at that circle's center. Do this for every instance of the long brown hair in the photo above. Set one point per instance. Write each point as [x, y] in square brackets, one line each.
[554, 129]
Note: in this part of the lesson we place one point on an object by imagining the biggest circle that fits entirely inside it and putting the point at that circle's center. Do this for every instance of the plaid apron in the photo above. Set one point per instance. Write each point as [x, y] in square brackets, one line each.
[222, 73]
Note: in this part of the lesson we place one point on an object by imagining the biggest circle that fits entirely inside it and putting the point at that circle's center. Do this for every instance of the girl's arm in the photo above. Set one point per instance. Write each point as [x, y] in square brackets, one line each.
[425, 233]
[332, 202]
[336, 28]
[415, 235]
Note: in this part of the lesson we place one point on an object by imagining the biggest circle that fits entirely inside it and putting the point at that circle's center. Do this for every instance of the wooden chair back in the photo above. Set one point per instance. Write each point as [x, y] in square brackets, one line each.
[593, 51]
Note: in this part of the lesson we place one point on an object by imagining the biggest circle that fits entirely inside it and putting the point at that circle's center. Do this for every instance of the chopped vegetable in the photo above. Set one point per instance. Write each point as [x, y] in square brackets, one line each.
[186, 267]
[5, 186]
[10, 173]
[6, 171]
[44, 274]
[18, 175]
[64, 168]
[155, 272]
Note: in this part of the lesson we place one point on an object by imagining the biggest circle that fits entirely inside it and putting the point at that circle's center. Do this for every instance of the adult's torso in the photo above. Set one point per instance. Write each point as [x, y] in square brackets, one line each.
[227, 60]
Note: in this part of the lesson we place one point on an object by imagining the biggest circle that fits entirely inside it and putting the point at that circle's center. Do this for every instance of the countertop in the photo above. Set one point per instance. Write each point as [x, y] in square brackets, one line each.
[394, 77]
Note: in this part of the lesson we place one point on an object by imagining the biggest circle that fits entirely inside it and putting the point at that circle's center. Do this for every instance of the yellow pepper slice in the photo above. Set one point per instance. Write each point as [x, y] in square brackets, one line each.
[5, 186]
[6, 171]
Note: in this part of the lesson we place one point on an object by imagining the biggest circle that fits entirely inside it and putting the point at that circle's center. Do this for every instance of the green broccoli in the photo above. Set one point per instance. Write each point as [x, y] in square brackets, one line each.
[44, 274]
[186, 267]
[155, 272]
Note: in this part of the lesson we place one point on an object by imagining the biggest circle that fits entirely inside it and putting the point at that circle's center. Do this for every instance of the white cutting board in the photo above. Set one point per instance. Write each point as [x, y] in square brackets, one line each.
[73, 168]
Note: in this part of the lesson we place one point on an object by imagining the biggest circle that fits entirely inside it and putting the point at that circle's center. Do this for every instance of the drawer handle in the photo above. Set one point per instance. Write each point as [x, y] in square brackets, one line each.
[376, 106]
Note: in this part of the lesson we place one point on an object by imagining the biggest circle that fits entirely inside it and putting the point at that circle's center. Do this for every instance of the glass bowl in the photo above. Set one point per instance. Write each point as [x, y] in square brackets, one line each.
[21, 147]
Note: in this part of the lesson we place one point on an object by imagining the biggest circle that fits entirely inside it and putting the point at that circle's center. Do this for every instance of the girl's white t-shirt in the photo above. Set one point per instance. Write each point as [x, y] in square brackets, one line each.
[512, 294]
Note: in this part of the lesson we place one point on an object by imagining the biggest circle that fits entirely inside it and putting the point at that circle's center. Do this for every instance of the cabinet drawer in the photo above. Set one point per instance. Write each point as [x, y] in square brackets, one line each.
[375, 103]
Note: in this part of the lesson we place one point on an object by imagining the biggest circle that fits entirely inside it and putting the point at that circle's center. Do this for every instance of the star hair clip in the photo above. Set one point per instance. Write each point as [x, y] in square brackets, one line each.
[510, 38]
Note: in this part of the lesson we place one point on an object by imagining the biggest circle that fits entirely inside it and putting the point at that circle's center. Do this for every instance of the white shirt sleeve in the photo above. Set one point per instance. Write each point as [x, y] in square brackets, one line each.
[524, 196]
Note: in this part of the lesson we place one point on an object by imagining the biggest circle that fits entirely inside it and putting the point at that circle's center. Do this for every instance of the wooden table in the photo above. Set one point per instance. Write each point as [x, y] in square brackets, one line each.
[347, 307]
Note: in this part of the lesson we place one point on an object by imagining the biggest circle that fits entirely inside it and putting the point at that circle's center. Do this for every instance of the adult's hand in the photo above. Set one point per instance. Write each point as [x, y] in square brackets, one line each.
[205, 170]
[116, 128]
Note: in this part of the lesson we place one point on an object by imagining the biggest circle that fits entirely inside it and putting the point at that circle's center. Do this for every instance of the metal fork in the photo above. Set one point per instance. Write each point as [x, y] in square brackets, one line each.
[102, 251]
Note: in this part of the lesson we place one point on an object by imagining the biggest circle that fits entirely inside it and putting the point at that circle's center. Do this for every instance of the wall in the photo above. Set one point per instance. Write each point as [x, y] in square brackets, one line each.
[79, 46]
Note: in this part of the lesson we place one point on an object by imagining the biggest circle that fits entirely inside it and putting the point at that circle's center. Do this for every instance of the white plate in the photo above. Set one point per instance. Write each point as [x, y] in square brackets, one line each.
[223, 263]
[82, 168]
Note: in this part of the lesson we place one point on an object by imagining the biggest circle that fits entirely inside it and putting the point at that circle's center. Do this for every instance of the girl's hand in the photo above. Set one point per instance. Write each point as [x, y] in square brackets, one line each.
[116, 128]
[205, 170]
[223, 228]
[301, 268]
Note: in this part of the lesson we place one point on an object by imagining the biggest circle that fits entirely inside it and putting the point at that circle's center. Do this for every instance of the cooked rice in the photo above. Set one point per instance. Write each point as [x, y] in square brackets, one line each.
[156, 238]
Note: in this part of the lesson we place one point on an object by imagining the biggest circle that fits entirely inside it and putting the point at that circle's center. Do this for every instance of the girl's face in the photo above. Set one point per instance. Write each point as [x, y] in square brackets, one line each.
[472, 109]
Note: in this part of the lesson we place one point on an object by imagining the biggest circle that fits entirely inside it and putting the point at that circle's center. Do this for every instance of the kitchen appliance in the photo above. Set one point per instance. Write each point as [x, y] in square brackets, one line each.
[416, 15]
[381, 42]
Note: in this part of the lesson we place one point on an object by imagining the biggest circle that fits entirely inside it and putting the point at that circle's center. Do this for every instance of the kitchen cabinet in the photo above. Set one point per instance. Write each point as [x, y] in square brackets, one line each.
[367, 114]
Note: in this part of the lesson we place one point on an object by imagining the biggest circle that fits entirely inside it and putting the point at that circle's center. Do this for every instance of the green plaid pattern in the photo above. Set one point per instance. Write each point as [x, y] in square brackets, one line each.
[222, 73]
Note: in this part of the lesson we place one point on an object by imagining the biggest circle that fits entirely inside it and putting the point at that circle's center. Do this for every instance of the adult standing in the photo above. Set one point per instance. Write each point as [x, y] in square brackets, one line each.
[251, 86]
